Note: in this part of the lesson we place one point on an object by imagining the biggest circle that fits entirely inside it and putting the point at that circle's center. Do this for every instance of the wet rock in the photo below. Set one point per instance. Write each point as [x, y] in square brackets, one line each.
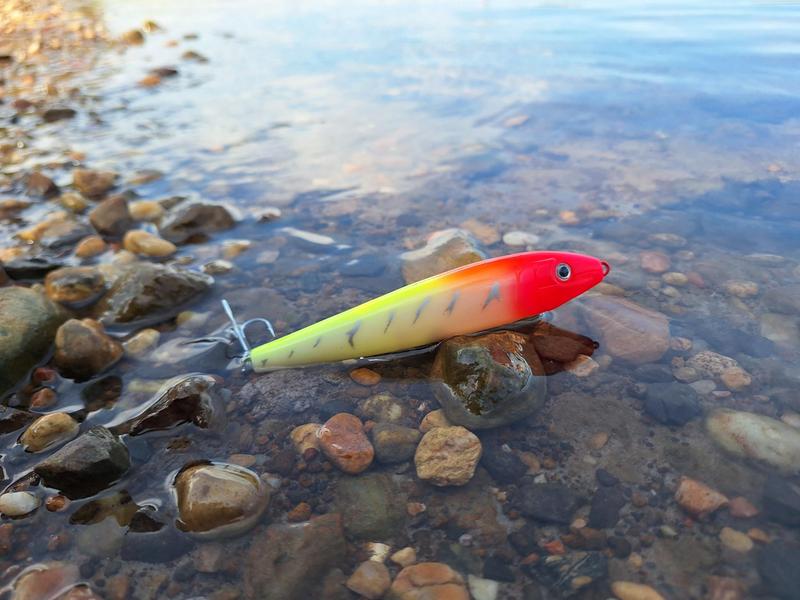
[111, 217]
[371, 579]
[735, 379]
[735, 541]
[40, 185]
[566, 576]
[195, 219]
[147, 244]
[83, 349]
[364, 376]
[102, 392]
[304, 437]
[93, 184]
[343, 441]
[194, 56]
[520, 238]
[671, 403]
[385, 408]
[741, 288]
[51, 115]
[756, 437]
[711, 364]
[146, 210]
[548, 502]
[488, 381]
[504, 467]
[428, 581]
[142, 343]
[443, 251]
[12, 419]
[725, 588]
[524, 540]
[152, 541]
[394, 443]
[447, 456]
[48, 431]
[288, 562]
[86, 465]
[654, 262]
[550, 344]
[404, 557]
[742, 508]
[90, 246]
[777, 565]
[784, 299]
[28, 324]
[18, 504]
[782, 501]
[149, 293]
[779, 329]
[435, 418]
[219, 500]
[45, 580]
[75, 203]
[31, 267]
[372, 506]
[606, 504]
[697, 498]
[628, 590]
[626, 330]
[55, 232]
[75, 286]
[195, 399]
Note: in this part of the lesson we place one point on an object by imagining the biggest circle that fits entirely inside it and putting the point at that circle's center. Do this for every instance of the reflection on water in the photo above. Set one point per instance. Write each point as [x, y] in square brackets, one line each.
[663, 139]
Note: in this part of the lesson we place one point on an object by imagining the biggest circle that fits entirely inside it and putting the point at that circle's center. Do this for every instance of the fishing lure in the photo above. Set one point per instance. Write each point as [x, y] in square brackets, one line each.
[466, 300]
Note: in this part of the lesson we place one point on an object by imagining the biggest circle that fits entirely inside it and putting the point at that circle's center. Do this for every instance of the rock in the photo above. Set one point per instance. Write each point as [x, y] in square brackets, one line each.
[134, 37]
[304, 437]
[428, 581]
[147, 244]
[83, 349]
[582, 366]
[148, 540]
[676, 279]
[654, 262]
[568, 575]
[562, 346]
[735, 379]
[735, 540]
[49, 430]
[447, 456]
[628, 590]
[371, 579]
[626, 330]
[489, 380]
[141, 343]
[671, 403]
[111, 217]
[520, 238]
[385, 408]
[40, 185]
[404, 557]
[778, 329]
[93, 184]
[31, 267]
[504, 467]
[782, 501]
[28, 324]
[548, 502]
[195, 219]
[483, 589]
[364, 376]
[710, 364]
[195, 399]
[18, 504]
[606, 504]
[86, 465]
[75, 286]
[51, 115]
[90, 246]
[740, 288]
[697, 498]
[12, 419]
[149, 293]
[219, 500]
[146, 210]
[343, 441]
[372, 506]
[777, 565]
[75, 203]
[756, 437]
[288, 562]
[394, 443]
[45, 580]
[435, 418]
[784, 299]
[443, 251]
[742, 508]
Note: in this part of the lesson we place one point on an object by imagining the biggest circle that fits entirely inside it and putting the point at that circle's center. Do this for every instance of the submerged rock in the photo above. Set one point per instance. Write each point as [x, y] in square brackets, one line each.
[629, 590]
[697, 498]
[194, 219]
[111, 217]
[344, 442]
[428, 580]
[49, 430]
[40, 185]
[569, 575]
[372, 506]
[671, 403]
[75, 286]
[626, 330]
[488, 381]
[756, 437]
[47, 580]
[12, 419]
[548, 502]
[782, 501]
[28, 324]
[149, 293]
[784, 299]
[219, 500]
[448, 456]
[394, 443]
[777, 565]
[288, 562]
[93, 184]
[83, 349]
[193, 399]
[86, 465]
[371, 579]
[18, 504]
[141, 242]
[443, 251]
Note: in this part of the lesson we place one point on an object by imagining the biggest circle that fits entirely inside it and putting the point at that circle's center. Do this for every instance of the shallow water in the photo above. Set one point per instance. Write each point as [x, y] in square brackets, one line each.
[663, 139]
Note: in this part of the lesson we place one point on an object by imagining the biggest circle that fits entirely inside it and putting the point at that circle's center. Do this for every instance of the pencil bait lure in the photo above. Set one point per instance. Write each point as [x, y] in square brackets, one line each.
[470, 299]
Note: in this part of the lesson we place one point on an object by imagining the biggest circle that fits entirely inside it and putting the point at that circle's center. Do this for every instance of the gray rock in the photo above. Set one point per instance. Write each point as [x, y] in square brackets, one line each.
[372, 506]
[86, 465]
[671, 403]
[289, 562]
[196, 218]
[28, 324]
[394, 443]
[784, 299]
[75, 286]
[782, 501]
[549, 502]
[443, 251]
[606, 504]
[147, 293]
[504, 467]
[567, 576]
[777, 565]
[12, 419]
[488, 381]
[51, 115]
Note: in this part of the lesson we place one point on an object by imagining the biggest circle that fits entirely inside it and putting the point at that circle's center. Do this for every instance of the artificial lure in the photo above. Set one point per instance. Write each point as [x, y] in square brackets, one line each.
[466, 300]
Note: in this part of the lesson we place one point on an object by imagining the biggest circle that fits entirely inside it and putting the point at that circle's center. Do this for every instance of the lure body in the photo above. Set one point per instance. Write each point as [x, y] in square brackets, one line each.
[473, 298]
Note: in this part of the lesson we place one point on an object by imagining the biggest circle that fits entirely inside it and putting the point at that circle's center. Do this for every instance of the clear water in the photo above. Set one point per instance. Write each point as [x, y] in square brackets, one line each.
[377, 123]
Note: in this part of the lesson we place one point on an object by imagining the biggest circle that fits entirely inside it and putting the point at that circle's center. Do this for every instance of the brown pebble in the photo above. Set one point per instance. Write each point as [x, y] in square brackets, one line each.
[364, 376]
[639, 499]
[90, 247]
[56, 503]
[758, 535]
[243, 460]
[598, 440]
[301, 512]
[724, 588]
[742, 508]
[654, 262]
[43, 398]
[555, 548]
[343, 441]
[697, 498]
[415, 508]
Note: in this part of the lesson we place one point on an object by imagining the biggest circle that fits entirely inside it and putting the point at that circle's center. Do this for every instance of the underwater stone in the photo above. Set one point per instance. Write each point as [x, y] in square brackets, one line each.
[371, 579]
[18, 504]
[49, 430]
[343, 441]
[444, 250]
[76, 286]
[93, 184]
[372, 506]
[671, 403]
[548, 502]
[436, 581]
[782, 501]
[488, 381]
[83, 349]
[111, 217]
[197, 218]
[448, 456]
[777, 565]
[394, 443]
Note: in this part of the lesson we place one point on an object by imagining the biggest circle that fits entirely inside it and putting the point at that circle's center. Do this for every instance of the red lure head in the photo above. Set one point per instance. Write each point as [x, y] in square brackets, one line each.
[549, 279]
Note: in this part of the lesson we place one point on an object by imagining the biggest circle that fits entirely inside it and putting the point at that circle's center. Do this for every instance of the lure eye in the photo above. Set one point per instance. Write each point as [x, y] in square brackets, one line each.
[563, 272]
